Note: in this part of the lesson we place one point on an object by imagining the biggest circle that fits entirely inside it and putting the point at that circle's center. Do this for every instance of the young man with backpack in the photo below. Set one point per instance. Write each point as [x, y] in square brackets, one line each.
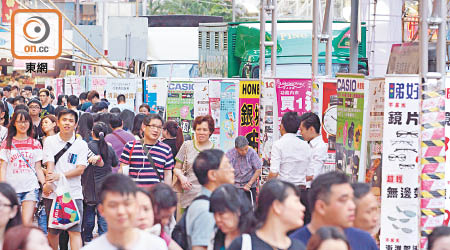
[194, 230]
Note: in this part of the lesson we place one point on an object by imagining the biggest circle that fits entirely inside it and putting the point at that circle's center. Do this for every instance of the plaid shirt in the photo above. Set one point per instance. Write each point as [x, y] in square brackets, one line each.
[244, 166]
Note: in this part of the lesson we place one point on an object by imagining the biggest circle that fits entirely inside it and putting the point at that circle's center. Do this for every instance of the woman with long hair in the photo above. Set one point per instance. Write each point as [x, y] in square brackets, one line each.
[173, 136]
[92, 179]
[279, 211]
[85, 124]
[4, 119]
[233, 213]
[25, 238]
[328, 238]
[9, 209]
[20, 163]
[137, 129]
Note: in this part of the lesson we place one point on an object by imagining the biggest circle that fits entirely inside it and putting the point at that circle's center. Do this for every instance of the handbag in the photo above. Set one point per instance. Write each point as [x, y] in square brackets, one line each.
[176, 183]
[64, 212]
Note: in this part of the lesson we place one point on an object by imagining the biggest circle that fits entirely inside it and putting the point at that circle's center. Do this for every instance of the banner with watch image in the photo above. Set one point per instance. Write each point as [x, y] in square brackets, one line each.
[350, 113]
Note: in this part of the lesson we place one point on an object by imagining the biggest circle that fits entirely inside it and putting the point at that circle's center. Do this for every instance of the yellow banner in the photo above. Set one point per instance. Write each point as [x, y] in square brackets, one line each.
[249, 89]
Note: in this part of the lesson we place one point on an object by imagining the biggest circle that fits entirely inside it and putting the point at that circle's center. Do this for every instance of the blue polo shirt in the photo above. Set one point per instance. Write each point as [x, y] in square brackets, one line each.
[358, 239]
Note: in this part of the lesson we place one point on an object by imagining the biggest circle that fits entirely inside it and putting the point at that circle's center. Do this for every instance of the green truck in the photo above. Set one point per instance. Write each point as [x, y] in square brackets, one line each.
[232, 49]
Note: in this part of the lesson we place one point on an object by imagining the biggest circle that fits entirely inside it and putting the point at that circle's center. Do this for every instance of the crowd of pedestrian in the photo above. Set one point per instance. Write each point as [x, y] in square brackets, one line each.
[138, 184]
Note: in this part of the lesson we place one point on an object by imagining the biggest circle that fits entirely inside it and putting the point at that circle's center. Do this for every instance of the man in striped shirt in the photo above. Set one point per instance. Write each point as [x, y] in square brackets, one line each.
[142, 163]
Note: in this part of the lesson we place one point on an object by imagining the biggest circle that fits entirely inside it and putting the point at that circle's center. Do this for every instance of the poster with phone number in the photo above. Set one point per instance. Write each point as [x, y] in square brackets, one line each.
[400, 182]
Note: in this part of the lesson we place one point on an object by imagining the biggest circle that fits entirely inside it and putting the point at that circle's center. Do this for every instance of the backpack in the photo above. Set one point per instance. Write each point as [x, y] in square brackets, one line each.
[179, 233]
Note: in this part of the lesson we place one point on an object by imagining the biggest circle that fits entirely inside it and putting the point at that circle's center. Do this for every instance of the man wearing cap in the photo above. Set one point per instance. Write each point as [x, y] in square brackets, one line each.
[35, 107]
[247, 166]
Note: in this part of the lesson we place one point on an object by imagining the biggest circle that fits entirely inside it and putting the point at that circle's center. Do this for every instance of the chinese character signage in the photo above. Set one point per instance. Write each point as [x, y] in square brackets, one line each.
[201, 99]
[293, 95]
[127, 87]
[447, 152]
[228, 115]
[249, 112]
[155, 95]
[267, 118]
[350, 110]
[8, 7]
[375, 134]
[98, 84]
[400, 182]
[180, 104]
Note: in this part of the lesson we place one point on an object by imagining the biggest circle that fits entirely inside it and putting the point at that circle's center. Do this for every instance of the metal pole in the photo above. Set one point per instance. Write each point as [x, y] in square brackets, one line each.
[262, 39]
[144, 7]
[274, 39]
[423, 12]
[233, 7]
[77, 12]
[354, 37]
[441, 42]
[329, 48]
[315, 39]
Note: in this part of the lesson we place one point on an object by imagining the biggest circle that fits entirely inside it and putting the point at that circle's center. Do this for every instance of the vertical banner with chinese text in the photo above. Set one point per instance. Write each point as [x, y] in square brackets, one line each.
[201, 97]
[268, 116]
[98, 83]
[214, 109]
[228, 116]
[293, 95]
[375, 135]
[155, 95]
[350, 111]
[249, 112]
[117, 86]
[180, 104]
[400, 176]
[447, 152]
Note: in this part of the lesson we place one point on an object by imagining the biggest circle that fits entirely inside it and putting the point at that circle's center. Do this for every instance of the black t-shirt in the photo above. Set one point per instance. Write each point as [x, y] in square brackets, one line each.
[49, 110]
[101, 172]
[172, 143]
[259, 244]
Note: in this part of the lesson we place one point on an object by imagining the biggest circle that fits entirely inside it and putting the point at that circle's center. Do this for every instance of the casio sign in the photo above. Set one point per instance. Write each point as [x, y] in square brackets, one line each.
[346, 85]
[181, 86]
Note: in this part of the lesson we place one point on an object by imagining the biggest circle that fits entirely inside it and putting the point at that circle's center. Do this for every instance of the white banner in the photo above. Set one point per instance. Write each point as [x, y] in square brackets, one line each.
[117, 86]
[400, 205]
[201, 97]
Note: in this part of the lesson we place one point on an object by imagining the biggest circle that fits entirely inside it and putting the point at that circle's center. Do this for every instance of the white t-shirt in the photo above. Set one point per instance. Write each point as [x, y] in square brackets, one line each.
[3, 133]
[18, 174]
[75, 155]
[145, 241]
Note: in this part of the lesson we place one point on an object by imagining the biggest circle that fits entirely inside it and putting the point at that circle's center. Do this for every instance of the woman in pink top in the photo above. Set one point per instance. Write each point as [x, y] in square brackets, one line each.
[20, 163]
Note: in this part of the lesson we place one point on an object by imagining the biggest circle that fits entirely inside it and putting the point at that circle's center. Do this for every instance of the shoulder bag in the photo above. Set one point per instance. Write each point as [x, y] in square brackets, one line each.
[150, 159]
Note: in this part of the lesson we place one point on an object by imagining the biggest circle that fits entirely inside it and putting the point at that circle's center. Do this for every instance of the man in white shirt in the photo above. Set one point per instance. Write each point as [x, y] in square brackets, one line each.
[291, 156]
[310, 131]
[118, 205]
[70, 163]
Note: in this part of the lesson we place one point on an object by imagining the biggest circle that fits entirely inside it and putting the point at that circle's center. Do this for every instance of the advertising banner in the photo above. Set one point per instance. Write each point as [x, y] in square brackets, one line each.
[268, 116]
[400, 182]
[375, 134]
[329, 121]
[350, 111]
[293, 95]
[59, 87]
[228, 116]
[201, 98]
[98, 84]
[8, 7]
[180, 104]
[447, 152]
[249, 112]
[214, 104]
[155, 95]
[117, 86]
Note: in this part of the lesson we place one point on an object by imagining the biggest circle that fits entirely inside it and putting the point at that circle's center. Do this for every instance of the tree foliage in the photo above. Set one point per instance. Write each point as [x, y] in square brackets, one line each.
[194, 7]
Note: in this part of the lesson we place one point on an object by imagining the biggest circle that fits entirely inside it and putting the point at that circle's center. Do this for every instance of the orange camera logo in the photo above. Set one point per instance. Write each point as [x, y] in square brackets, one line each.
[36, 34]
